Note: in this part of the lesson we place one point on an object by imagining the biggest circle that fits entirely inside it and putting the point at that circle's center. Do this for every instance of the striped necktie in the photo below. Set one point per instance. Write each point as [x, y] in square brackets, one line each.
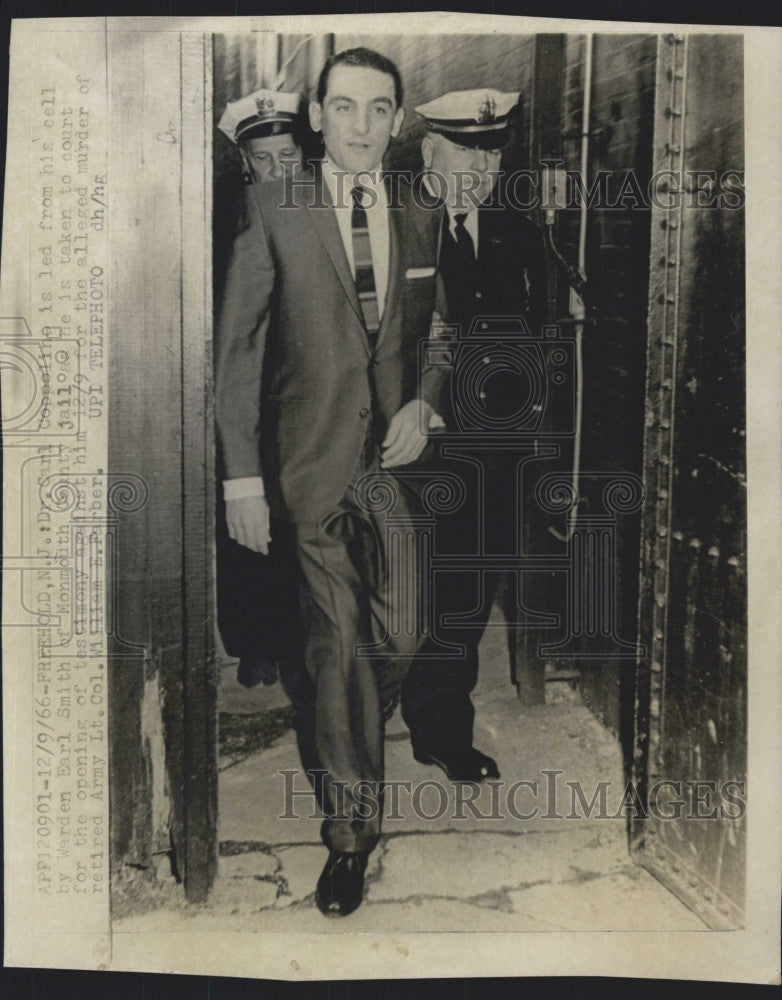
[362, 261]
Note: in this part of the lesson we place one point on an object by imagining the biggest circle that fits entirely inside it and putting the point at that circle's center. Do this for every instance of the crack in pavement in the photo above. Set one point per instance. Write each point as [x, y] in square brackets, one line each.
[230, 848]
[494, 899]
[497, 898]
[382, 852]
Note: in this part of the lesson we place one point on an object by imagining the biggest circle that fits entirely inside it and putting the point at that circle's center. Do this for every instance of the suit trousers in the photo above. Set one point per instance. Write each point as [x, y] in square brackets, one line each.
[436, 703]
[360, 637]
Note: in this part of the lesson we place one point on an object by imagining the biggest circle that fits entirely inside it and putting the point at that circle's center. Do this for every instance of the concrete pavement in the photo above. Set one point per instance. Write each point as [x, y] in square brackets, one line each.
[507, 857]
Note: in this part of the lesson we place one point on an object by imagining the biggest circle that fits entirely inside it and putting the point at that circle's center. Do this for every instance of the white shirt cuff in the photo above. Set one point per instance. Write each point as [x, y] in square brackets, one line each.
[238, 489]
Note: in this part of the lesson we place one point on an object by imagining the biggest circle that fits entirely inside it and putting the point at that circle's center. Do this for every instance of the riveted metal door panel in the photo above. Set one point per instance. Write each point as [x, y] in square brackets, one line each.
[691, 703]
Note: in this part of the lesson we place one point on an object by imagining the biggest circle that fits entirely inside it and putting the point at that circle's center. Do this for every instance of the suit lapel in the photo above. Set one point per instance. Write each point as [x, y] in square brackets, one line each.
[441, 216]
[325, 222]
[485, 248]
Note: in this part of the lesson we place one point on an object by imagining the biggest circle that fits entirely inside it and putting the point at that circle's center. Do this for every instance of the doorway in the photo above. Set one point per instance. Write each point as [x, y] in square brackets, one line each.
[656, 358]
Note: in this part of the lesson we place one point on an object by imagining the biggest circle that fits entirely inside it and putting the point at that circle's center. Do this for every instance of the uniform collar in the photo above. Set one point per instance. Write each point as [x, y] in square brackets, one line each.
[471, 211]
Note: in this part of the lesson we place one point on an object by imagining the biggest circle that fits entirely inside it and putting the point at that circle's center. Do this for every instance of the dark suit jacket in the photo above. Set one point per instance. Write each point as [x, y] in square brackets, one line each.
[296, 379]
[511, 268]
[506, 282]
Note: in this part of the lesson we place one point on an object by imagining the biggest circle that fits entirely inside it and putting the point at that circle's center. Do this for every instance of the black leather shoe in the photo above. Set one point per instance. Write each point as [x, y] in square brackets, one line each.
[463, 764]
[340, 887]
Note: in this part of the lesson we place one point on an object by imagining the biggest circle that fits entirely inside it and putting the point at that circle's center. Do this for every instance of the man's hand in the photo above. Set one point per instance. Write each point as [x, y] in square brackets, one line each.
[248, 522]
[404, 441]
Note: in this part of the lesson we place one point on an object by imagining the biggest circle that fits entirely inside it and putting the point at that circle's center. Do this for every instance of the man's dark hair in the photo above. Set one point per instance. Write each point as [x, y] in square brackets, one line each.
[361, 57]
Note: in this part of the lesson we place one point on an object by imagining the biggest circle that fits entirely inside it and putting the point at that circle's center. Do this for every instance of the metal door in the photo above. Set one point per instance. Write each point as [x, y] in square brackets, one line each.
[691, 693]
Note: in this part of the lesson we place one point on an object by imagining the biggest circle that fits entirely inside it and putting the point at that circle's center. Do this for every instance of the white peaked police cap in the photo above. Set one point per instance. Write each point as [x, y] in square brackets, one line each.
[262, 113]
[471, 117]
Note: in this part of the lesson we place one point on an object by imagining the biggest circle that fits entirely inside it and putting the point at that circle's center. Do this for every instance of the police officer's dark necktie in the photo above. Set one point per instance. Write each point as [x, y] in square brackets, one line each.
[362, 262]
[463, 238]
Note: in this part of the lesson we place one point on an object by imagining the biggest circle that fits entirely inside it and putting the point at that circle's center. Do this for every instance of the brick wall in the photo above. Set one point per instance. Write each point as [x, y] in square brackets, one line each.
[432, 65]
[617, 266]
[618, 239]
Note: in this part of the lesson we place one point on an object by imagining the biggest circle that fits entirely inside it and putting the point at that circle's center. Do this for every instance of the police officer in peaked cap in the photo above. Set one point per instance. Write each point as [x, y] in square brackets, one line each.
[258, 595]
[492, 265]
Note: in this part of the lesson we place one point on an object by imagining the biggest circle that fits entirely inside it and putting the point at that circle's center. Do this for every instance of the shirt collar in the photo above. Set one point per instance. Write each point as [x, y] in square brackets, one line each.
[451, 212]
[340, 182]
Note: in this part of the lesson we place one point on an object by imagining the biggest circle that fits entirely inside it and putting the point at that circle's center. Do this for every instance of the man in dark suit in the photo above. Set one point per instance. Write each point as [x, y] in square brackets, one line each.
[492, 266]
[337, 274]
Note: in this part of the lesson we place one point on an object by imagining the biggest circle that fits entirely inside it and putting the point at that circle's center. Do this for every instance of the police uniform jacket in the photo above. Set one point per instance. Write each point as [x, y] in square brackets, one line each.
[506, 281]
